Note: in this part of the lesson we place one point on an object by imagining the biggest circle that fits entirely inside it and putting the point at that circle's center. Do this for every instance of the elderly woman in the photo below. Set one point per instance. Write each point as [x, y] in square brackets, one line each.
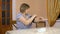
[24, 20]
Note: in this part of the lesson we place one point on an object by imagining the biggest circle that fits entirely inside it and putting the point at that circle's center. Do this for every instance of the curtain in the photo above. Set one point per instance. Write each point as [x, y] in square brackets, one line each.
[59, 5]
[53, 11]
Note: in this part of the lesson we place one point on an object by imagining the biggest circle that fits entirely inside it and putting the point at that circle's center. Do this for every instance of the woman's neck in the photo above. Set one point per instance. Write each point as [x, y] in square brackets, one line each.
[23, 14]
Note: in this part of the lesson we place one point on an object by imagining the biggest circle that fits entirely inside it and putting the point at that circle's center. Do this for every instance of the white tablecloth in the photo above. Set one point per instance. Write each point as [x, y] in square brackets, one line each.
[36, 31]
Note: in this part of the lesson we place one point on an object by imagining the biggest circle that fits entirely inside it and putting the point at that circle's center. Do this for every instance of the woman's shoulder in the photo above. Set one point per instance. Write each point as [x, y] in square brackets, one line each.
[19, 15]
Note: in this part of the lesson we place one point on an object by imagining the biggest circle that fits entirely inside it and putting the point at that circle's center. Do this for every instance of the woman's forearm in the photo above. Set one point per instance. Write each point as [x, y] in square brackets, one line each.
[25, 21]
[30, 20]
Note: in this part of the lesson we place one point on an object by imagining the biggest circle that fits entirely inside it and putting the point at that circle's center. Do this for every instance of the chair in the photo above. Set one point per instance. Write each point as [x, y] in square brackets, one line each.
[14, 26]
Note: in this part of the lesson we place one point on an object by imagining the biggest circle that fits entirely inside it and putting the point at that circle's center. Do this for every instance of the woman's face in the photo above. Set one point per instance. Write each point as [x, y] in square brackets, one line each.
[27, 11]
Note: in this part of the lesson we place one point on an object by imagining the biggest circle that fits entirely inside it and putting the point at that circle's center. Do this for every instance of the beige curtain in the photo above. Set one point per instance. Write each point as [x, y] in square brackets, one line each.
[53, 11]
[59, 5]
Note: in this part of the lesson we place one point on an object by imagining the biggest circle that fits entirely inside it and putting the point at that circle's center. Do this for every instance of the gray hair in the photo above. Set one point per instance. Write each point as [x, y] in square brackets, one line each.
[23, 7]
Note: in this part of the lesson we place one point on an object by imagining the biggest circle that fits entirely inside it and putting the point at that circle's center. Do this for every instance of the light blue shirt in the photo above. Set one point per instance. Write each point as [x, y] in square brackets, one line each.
[20, 25]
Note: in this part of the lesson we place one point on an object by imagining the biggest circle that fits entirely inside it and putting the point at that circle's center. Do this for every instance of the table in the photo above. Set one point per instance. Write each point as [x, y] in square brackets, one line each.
[41, 24]
[44, 30]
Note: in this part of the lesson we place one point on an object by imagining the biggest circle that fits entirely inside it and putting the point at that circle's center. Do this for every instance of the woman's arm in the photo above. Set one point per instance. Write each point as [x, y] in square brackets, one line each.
[25, 21]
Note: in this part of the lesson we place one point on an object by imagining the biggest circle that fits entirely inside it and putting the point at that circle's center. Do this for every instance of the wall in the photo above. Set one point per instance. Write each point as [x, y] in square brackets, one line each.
[36, 7]
[57, 24]
[13, 10]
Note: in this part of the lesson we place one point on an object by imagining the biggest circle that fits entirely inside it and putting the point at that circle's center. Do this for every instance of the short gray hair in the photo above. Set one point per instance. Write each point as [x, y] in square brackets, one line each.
[23, 7]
